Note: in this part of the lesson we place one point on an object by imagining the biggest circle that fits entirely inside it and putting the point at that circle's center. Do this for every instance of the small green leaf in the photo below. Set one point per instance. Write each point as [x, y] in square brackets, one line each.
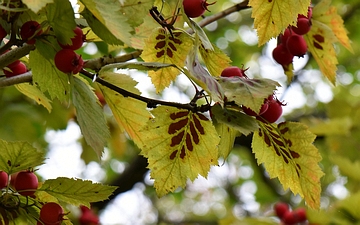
[76, 191]
[90, 115]
[34, 93]
[45, 73]
[18, 156]
[61, 17]
[36, 5]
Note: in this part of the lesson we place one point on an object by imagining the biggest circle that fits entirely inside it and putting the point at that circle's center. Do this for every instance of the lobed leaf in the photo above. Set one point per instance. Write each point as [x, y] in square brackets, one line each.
[36, 5]
[162, 47]
[179, 145]
[18, 156]
[76, 191]
[288, 153]
[90, 115]
[215, 60]
[271, 17]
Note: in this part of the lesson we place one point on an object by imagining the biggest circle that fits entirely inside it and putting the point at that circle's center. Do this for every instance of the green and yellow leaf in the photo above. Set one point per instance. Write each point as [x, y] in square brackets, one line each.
[18, 156]
[163, 47]
[75, 191]
[271, 17]
[130, 114]
[288, 153]
[215, 60]
[34, 93]
[36, 5]
[179, 145]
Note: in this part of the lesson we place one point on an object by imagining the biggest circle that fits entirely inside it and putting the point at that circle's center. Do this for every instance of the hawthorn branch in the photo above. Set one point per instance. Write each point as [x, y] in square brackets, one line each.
[151, 103]
[22, 78]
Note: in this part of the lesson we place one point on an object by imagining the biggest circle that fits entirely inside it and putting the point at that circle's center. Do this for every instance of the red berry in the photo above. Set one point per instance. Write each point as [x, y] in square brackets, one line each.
[67, 61]
[4, 178]
[281, 55]
[51, 213]
[233, 71]
[15, 69]
[88, 217]
[26, 183]
[303, 26]
[281, 208]
[300, 215]
[2, 33]
[195, 8]
[77, 40]
[296, 45]
[285, 36]
[289, 218]
[273, 113]
[29, 30]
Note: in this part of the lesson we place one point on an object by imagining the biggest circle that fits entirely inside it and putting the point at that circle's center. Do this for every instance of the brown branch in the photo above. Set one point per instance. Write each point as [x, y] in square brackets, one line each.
[18, 79]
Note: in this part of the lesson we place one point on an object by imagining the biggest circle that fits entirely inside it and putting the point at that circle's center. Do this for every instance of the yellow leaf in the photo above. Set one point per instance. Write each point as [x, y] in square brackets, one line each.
[179, 145]
[215, 60]
[273, 16]
[287, 153]
[130, 114]
[163, 47]
[34, 93]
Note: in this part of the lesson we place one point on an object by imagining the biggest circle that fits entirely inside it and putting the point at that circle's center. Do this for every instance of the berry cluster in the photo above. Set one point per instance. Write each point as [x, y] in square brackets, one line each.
[195, 8]
[292, 43]
[271, 109]
[67, 60]
[288, 216]
[88, 217]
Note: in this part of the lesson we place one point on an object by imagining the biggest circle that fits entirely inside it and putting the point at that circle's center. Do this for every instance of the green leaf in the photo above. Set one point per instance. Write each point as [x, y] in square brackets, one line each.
[351, 205]
[179, 145]
[215, 60]
[135, 10]
[235, 119]
[18, 156]
[34, 93]
[90, 115]
[334, 126]
[100, 29]
[130, 114]
[228, 135]
[75, 191]
[36, 5]
[248, 92]
[346, 166]
[288, 153]
[146, 66]
[61, 17]
[45, 73]
[109, 13]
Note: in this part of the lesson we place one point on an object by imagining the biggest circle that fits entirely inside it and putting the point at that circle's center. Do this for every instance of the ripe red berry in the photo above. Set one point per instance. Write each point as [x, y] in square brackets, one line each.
[88, 217]
[2, 33]
[285, 36]
[77, 40]
[281, 55]
[233, 71]
[281, 208]
[26, 183]
[29, 30]
[4, 178]
[273, 113]
[195, 8]
[300, 215]
[296, 45]
[303, 26]
[51, 213]
[289, 218]
[15, 69]
[67, 61]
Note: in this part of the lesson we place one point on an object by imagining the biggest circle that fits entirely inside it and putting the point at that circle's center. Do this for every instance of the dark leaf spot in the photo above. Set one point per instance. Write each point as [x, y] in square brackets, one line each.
[198, 125]
[173, 154]
[172, 46]
[174, 116]
[182, 153]
[160, 44]
[188, 142]
[295, 155]
[318, 46]
[160, 54]
[319, 38]
[174, 127]
[177, 139]
[194, 134]
[9, 163]
[169, 52]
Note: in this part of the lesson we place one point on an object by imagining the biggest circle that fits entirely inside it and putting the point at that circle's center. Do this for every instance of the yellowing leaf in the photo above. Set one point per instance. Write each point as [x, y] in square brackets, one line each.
[215, 60]
[287, 153]
[179, 144]
[75, 191]
[36, 5]
[34, 93]
[164, 48]
[273, 16]
[130, 114]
